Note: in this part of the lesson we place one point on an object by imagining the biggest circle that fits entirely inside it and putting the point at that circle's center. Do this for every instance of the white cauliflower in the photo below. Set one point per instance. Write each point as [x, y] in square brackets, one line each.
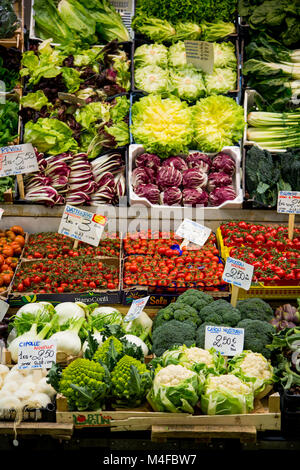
[172, 375]
[256, 365]
[227, 382]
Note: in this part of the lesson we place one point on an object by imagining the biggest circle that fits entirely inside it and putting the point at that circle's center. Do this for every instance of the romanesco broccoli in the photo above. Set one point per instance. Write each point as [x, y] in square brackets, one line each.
[109, 352]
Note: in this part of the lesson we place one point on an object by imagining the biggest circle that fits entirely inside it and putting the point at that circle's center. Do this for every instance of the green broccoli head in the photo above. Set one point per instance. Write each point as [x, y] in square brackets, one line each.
[176, 311]
[222, 311]
[173, 333]
[195, 298]
[255, 309]
[258, 334]
[131, 381]
[85, 384]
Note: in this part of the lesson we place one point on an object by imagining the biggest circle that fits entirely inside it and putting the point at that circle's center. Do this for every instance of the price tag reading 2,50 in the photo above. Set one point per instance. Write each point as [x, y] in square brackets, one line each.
[36, 354]
[226, 340]
[82, 225]
[238, 273]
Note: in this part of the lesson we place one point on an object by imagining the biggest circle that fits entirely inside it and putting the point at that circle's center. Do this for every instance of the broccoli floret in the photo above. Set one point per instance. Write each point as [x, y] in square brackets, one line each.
[214, 319]
[257, 335]
[85, 384]
[173, 333]
[195, 298]
[255, 309]
[200, 334]
[226, 313]
[131, 381]
[176, 311]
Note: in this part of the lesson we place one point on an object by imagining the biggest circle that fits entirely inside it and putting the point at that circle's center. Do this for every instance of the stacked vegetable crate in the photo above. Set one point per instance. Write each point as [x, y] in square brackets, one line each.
[17, 40]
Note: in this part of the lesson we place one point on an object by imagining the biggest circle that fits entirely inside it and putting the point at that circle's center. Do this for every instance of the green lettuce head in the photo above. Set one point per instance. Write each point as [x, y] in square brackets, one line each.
[152, 79]
[255, 370]
[220, 81]
[91, 113]
[226, 394]
[162, 126]
[187, 83]
[224, 55]
[35, 100]
[175, 388]
[177, 55]
[50, 136]
[151, 54]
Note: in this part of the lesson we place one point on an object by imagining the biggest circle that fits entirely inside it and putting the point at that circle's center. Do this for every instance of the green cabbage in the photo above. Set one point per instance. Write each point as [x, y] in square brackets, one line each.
[260, 374]
[152, 79]
[218, 122]
[175, 388]
[35, 100]
[50, 135]
[226, 394]
[187, 83]
[162, 126]
[220, 81]
[224, 55]
[151, 54]
[177, 55]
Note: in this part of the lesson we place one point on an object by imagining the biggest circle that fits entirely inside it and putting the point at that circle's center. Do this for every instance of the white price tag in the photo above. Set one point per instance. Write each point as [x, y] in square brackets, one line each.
[4, 306]
[122, 5]
[36, 354]
[193, 232]
[200, 54]
[82, 225]
[1, 213]
[238, 273]
[18, 159]
[136, 308]
[288, 202]
[226, 340]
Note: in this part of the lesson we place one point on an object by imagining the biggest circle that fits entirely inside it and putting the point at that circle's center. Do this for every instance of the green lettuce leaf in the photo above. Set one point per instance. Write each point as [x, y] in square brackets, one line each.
[177, 55]
[220, 81]
[91, 113]
[71, 78]
[120, 110]
[187, 83]
[224, 55]
[48, 23]
[78, 19]
[50, 136]
[35, 100]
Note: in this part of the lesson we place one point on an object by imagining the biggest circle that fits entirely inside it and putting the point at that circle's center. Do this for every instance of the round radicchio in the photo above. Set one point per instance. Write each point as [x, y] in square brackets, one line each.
[220, 195]
[199, 160]
[194, 196]
[194, 178]
[176, 162]
[217, 180]
[168, 176]
[149, 191]
[171, 197]
[142, 175]
[223, 162]
[148, 160]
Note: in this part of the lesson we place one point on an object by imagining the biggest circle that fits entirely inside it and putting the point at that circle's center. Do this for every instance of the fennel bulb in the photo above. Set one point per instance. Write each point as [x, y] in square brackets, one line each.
[97, 336]
[138, 341]
[69, 310]
[68, 341]
[34, 308]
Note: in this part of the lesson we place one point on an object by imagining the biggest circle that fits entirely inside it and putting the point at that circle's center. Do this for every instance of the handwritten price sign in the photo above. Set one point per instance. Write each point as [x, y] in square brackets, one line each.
[17, 159]
[238, 273]
[136, 308]
[288, 202]
[193, 232]
[36, 354]
[200, 54]
[228, 341]
[82, 225]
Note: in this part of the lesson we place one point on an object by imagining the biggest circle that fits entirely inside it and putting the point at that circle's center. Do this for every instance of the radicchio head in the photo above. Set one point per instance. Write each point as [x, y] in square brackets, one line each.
[224, 162]
[171, 197]
[194, 196]
[199, 160]
[220, 195]
[142, 175]
[194, 178]
[148, 160]
[177, 162]
[168, 176]
[149, 191]
[217, 180]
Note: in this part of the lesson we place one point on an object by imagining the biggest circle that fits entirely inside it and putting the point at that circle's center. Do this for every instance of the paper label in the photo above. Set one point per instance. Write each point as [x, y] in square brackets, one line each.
[136, 308]
[193, 232]
[238, 273]
[17, 160]
[122, 5]
[36, 354]
[4, 306]
[226, 340]
[72, 99]
[200, 54]
[288, 202]
[82, 225]
[1, 213]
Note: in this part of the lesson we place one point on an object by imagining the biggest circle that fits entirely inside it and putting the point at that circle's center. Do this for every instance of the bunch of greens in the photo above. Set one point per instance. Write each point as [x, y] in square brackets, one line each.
[161, 30]
[187, 10]
[274, 71]
[163, 70]
[78, 20]
[267, 174]
[280, 19]
[8, 122]
[9, 21]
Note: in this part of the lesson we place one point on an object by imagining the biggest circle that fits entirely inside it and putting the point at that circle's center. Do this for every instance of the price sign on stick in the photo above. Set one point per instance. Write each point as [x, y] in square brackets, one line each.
[36, 354]
[200, 54]
[17, 159]
[136, 308]
[226, 340]
[82, 225]
[288, 202]
[239, 274]
[192, 232]
[4, 306]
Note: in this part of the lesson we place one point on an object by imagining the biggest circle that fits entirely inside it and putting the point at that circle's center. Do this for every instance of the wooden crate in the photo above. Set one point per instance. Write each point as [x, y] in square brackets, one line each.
[266, 416]
[17, 40]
